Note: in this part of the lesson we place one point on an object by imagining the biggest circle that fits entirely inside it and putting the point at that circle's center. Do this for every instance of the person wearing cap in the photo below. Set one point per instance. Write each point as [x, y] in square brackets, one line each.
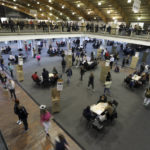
[45, 118]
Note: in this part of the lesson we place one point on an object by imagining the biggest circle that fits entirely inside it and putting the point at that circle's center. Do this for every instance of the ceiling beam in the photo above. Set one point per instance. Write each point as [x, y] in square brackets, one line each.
[115, 4]
[95, 9]
[57, 8]
[73, 8]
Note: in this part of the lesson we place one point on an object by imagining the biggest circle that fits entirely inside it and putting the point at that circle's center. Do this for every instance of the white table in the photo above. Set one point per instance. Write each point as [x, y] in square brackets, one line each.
[136, 77]
[50, 76]
[99, 108]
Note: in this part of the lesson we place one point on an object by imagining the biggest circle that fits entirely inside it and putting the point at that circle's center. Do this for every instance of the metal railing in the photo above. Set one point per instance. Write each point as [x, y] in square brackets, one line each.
[47, 29]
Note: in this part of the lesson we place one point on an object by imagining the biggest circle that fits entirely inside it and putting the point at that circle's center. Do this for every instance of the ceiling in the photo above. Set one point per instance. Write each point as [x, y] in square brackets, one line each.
[90, 10]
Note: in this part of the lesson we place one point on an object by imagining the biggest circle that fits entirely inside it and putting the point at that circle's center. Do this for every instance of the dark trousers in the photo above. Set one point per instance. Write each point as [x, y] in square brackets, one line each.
[63, 69]
[11, 72]
[111, 64]
[92, 84]
[81, 77]
[25, 123]
[12, 93]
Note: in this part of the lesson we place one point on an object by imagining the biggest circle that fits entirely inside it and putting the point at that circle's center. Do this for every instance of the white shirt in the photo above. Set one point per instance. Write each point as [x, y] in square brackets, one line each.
[112, 59]
[11, 85]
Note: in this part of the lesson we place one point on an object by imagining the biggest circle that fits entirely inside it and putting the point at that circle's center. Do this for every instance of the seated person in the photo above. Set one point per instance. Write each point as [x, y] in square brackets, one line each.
[36, 78]
[110, 109]
[128, 79]
[87, 113]
[45, 75]
[55, 72]
[11, 58]
[102, 99]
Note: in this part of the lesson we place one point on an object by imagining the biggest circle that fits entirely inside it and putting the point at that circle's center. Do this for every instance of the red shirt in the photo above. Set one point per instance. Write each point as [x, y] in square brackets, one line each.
[35, 77]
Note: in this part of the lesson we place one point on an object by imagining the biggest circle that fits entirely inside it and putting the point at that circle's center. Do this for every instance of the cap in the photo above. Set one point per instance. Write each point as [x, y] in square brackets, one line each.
[42, 106]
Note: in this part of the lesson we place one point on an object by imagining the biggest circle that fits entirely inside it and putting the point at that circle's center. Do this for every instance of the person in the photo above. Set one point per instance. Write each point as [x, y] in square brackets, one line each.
[11, 87]
[45, 118]
[35, 77]
[2, 63]
[110, 110]
[61, 143]
[69, 74]
[23, 115]
[91, 81]
[102, 99]
[55, 72]
[116, 69]
[123, 62]
[34, 52]
[147, 97]
[108, 77]
[16, 111]
[63, 63]
[107, 86]
[45, 75]
[10, 68]
[38, 57]
[111, 62]
[87, 113]
[82, 71]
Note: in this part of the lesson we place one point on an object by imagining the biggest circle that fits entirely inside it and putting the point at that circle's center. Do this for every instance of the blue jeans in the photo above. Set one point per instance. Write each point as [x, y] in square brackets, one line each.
[106, 90]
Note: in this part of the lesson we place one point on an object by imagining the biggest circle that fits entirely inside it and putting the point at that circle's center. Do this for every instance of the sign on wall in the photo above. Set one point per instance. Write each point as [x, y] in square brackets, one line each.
[136, 6]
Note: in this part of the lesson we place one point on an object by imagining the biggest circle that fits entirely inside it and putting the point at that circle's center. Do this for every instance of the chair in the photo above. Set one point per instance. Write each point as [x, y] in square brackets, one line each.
[114, 102]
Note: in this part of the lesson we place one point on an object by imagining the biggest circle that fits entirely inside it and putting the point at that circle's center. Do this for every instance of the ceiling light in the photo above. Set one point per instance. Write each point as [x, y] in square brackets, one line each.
[15, 7]
[99, 3]
[28, 4]
[108, 11]
[89, 12]
[42, 14]
[14, 0]
[78, 5]
[61, 14]
[63, 6]
[40, 9]
[49, 1]
[129, 1]
[80, 17]
[50, 8]
[114, 18]
[73, 13]
[139, 18]
[94, 17]
[50, 14]
[68, 18]
[35, 15]
[38, 2]
[56, 17]
[3, 4]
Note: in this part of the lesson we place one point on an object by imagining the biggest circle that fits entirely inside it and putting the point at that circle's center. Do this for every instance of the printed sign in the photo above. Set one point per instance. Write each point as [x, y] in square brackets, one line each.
[59, 85]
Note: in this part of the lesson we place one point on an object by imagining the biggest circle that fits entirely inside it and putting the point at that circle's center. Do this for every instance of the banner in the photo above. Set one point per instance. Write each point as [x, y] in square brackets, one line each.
[136, 6]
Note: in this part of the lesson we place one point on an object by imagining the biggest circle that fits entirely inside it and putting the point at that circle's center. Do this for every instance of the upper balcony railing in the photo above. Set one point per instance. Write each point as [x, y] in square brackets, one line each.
[49, 29]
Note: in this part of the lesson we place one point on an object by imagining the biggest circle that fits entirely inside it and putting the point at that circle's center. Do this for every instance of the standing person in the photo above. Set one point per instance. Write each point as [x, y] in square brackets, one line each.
[108, 77]
[2, 63]
[16, 111]
[23, 115]
[11, 87]
[107, 86]
[10, 68]
[82, 71]
[111, 62]
[63, 63]
[38, 57]
[91, 81]
[45, 118]
[61, 143]
[69, 74]
[73, 59]
[34, 52]
[123, 62]
[147, 97]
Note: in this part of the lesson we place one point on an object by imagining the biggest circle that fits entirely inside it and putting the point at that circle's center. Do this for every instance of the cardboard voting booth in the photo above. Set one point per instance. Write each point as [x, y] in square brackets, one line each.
[105, 68]
[55, 97]
[134, 62]
[144, 57]
[68, 58]
[99, 51]
[19, 72]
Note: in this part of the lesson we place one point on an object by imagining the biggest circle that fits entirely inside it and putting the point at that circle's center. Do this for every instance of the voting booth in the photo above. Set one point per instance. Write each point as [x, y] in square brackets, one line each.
[105, 68]
[68, 57]
[19, 69]
[55, 97]
[144, 57]
[99, 51]
[134, 60]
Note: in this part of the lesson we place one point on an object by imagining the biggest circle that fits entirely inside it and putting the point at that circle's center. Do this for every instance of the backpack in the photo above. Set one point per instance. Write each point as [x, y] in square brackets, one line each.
[147, 94]
[23, 113]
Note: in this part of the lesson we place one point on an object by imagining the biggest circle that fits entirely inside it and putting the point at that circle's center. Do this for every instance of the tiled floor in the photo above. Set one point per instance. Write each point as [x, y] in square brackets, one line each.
[14, 134]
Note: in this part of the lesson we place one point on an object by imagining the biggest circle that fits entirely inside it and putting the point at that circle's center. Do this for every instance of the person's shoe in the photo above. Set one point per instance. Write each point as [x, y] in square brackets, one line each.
[18, 121]
[47, 134]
